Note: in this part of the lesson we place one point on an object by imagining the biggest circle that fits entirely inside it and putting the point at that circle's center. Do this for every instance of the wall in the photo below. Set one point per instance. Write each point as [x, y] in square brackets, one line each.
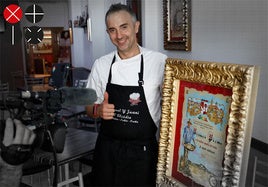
[233, 31]
[81, 47]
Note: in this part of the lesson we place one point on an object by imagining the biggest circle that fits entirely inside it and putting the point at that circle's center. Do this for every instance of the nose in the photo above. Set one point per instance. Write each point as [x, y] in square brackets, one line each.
[118, 34]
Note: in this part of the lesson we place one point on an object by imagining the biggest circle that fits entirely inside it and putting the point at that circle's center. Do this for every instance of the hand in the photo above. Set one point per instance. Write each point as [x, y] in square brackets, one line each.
[16, 150]
[106, 110]
[23, 135]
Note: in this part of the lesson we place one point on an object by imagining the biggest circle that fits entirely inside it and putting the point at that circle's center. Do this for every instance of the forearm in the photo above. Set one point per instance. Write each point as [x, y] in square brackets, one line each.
[10, 175]
[89, 110]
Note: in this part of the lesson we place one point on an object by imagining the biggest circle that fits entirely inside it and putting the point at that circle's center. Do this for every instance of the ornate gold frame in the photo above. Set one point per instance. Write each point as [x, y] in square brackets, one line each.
[243, 81]
[184, 41]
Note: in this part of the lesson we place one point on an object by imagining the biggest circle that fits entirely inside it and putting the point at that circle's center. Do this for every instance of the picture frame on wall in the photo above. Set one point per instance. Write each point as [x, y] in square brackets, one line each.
[206, 125]
[177, 24]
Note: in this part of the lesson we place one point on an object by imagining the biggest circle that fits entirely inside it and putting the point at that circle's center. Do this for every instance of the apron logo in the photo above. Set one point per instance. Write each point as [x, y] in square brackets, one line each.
[134, 99]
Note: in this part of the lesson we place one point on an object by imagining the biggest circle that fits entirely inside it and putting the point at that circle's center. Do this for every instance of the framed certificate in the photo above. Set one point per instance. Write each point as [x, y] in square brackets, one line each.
[206, 125]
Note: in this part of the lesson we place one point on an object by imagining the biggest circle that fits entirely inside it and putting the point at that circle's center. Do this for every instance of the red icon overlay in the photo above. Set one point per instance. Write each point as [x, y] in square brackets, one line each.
[13, 13]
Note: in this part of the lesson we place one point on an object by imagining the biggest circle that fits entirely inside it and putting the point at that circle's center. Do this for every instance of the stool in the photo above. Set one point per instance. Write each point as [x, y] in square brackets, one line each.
[78, 178]
[87, 178]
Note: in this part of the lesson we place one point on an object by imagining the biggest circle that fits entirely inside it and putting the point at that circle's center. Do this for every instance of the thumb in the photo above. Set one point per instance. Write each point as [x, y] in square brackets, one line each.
[106, 98]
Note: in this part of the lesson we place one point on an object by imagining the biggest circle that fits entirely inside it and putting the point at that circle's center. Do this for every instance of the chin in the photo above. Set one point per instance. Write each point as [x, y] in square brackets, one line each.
[122, 48]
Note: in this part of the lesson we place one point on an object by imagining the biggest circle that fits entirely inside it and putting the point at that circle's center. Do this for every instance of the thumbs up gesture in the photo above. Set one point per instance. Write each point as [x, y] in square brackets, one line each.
[106, 110]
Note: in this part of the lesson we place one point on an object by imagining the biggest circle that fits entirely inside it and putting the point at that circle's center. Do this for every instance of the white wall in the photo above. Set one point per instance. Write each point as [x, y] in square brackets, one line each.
[233, 31]
[96, 13]
[81, 47]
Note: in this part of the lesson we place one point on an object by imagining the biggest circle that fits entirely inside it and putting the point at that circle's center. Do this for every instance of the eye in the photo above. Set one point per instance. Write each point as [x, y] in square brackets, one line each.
[124, 27]
[111, 31]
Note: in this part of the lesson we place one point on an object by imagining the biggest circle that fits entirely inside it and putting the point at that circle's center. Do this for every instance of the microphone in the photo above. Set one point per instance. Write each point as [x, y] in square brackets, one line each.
[78, 96]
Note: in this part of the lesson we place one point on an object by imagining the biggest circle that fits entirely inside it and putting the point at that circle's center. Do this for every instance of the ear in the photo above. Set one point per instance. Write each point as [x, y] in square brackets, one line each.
[137, 26]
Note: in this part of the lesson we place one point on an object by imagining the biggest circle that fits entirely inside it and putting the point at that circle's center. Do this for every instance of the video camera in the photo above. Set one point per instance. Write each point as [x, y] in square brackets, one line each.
[39, 111]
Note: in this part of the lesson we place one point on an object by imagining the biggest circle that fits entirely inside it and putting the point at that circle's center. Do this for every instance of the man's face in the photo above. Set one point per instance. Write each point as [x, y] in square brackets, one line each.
[189, 124]
[122, 31]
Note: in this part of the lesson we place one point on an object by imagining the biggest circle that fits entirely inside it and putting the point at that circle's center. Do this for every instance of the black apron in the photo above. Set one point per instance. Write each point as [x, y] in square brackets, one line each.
[126, 150]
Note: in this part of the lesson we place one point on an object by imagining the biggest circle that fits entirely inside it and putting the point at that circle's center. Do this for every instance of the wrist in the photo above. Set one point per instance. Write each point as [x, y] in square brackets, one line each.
[96, 110]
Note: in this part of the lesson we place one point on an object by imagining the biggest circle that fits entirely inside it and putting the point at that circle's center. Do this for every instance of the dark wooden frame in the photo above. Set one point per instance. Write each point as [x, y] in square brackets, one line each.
[182, 43]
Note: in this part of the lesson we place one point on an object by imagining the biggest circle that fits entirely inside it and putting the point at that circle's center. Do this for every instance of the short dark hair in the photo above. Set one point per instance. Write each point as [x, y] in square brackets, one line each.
[120, 7]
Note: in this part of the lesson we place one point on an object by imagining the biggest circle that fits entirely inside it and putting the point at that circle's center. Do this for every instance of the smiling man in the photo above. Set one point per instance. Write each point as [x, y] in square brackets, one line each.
[128, 85]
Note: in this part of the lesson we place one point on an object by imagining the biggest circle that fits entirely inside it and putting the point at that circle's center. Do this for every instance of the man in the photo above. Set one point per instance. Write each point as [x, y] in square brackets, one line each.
[128, 85]
[188, 133]
[15, 150]
[188, 136]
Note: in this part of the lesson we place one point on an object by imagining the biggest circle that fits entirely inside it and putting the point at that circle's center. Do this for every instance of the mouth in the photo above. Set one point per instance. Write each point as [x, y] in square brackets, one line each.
[121, 42]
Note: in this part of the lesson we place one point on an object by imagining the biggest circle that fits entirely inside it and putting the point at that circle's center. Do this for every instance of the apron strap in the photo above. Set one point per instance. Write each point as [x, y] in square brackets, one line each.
[141, 82]
[110, 74]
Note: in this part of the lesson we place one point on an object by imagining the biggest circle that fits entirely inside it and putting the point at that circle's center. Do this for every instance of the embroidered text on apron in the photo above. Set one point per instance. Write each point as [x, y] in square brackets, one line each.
[132, 119]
